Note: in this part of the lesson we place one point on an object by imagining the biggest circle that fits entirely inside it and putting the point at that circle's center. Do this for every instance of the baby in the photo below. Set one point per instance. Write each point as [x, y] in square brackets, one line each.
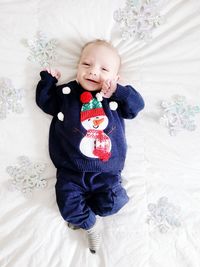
[87, 141]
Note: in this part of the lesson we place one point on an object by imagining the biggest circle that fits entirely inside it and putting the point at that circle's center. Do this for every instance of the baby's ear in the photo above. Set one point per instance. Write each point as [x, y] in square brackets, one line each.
[117, 78]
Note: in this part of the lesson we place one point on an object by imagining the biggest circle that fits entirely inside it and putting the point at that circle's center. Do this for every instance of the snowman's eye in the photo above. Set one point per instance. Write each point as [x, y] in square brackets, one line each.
[97, 117]
[88, 119]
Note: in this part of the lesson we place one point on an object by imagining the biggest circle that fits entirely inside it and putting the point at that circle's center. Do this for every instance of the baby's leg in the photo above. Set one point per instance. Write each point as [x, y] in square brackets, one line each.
[110, 197]
[71, 200]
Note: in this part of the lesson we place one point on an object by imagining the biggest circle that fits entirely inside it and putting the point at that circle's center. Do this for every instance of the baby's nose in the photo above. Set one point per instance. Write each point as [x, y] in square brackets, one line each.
[93, 71]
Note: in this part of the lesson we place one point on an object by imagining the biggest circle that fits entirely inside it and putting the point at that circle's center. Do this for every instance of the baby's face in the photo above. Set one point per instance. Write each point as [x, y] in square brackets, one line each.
[97, 64]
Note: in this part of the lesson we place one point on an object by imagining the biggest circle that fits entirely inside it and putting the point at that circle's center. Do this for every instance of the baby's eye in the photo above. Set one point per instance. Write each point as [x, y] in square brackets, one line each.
[104, 69]
[85, 64]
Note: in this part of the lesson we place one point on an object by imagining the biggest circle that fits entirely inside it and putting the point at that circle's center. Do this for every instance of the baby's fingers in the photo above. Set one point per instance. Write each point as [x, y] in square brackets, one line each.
[113, 85]
[48, 70]
[57, 74]
[106, 85]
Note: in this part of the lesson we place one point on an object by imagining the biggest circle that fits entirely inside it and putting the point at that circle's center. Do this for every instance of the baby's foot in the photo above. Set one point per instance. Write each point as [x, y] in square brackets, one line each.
[72, 226]
[94, 238]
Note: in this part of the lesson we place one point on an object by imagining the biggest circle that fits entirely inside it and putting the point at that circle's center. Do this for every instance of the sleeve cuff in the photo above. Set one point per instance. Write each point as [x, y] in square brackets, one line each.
[48, 77]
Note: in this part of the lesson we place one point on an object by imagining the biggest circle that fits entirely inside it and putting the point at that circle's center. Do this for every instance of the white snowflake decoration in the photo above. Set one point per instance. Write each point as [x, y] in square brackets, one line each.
[42, 50]
[178, 115]
[138, 19]
[163, 215]
[10, 98]
[27, 175]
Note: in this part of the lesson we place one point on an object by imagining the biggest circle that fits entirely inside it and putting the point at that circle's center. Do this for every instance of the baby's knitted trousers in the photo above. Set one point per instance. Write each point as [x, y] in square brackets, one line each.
[83, 195]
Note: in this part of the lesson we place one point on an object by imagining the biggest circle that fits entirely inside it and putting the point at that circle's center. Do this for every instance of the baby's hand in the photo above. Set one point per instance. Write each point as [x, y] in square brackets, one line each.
[55, 73]
[108, 88]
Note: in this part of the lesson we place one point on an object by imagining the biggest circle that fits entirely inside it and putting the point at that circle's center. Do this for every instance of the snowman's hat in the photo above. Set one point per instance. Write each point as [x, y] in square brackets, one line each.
[91, 106]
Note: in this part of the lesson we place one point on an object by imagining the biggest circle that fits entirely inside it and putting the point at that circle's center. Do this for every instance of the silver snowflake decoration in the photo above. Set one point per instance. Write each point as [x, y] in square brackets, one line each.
[138, 19]
[27, 176]
[163, 215]
[10, 98]
[42, 50]
[178, 115]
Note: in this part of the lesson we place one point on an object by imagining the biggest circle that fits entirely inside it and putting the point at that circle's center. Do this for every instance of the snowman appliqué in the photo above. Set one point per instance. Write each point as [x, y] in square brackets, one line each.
[96, 143]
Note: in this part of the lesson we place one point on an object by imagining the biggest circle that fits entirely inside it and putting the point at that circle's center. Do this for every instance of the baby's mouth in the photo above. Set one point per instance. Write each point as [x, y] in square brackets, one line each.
[92, 81]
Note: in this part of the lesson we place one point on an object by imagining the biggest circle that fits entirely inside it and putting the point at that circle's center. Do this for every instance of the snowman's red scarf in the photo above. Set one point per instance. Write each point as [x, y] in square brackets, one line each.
[101, 144]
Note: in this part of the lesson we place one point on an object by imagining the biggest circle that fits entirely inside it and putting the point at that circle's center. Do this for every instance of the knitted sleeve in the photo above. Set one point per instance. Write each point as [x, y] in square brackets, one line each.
[130, 102]
[46, 95]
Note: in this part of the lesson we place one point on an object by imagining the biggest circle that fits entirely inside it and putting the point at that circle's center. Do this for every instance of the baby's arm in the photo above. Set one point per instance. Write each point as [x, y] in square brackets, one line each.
[46, 95]
[130, 102]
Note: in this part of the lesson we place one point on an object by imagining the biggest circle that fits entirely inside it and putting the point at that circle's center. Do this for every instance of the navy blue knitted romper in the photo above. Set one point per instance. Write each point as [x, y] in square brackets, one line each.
[87, 145]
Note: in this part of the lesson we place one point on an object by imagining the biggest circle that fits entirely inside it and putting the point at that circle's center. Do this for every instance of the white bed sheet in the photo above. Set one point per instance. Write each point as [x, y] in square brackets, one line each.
[160, 168]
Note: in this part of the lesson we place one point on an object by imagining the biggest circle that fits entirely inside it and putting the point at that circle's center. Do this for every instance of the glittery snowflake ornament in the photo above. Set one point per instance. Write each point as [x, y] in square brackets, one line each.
[42, 50]
[10, 98]
[139, 18]
[178, 115]
[163, 215]
[27, 176]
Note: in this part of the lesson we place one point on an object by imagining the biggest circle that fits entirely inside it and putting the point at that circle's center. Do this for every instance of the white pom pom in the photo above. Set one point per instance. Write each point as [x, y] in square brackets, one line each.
[113, 105]
[66, 90]
[99, 97]
[60, 116]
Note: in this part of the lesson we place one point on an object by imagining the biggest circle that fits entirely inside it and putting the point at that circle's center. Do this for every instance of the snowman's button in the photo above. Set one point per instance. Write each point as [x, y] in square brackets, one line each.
[66, 90]
[60, 116]
[113, 105]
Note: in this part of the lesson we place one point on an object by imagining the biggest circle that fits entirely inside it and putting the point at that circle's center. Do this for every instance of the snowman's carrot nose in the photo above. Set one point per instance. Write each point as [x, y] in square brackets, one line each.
[98, 122]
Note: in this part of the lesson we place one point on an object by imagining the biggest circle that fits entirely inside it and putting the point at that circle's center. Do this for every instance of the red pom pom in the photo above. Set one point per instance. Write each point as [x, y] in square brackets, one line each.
[86, 97]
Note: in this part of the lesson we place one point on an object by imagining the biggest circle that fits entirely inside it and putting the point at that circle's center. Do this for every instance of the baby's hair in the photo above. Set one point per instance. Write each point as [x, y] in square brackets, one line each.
[102, 42]
[99, 42]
